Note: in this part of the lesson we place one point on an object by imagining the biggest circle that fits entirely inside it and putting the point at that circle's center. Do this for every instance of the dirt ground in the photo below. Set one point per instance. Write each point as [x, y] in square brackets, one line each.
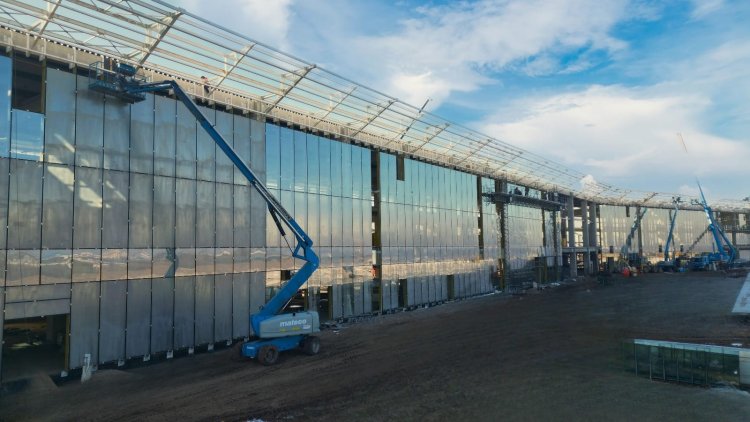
[551, 355]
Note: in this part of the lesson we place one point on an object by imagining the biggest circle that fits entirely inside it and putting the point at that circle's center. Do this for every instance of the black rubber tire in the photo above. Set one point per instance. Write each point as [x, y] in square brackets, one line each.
[311, 345]
[268, 355]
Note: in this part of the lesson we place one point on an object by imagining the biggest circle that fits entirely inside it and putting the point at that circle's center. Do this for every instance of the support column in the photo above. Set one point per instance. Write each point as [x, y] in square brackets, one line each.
[640, 237]
[572, 236]
[593, 237]
[585, 232]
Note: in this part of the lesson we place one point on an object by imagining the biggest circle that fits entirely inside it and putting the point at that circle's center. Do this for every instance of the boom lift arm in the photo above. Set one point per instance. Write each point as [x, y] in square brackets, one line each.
[726, 252]
[275, 332]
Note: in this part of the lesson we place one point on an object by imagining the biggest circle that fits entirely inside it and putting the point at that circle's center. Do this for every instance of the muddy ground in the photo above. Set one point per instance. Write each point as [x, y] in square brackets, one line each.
[550, 355]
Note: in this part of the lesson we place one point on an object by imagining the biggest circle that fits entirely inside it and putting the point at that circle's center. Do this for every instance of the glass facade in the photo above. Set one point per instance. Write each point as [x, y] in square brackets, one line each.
[132, 218]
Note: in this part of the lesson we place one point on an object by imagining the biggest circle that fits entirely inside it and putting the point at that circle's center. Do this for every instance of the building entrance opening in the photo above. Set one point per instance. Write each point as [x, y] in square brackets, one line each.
[34, 345]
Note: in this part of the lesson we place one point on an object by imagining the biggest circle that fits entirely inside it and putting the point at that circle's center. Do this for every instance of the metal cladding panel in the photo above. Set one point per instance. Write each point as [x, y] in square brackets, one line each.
[240, 305]
[141, 210]
[4, 169]
[241, 216]
[164, 136]
[37, 293]
[116, 136]
[60, 106]
[335, 301]
[424, 282]
[241, 145]
[385, 295]
[138, 318]
[25, 205]
[367, 296]
[186, 132]
[223, 307]
[2, 323]
[142, 136]
[204, 309]
[410, 292]
[394, 295]
[36, 308]
[347, 299]
[162, 312]
[185, 213]
[84, 323]
[115, 210]
[23, 267]
[206, 149]
[112, 321]
[205, 222]
[224, 167]
[87, 208]
[257, 291]
[56, 266]
[164, 212]
[57, 210]
[184, 312]
[358, 297]
[89, 125]
[224, 215]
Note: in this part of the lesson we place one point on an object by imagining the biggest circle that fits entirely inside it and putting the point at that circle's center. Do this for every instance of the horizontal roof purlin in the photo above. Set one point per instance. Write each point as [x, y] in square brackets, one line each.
[163, 38]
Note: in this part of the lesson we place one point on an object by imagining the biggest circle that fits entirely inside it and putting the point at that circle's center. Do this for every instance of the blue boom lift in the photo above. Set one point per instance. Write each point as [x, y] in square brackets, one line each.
[274, 332]
[725, 254]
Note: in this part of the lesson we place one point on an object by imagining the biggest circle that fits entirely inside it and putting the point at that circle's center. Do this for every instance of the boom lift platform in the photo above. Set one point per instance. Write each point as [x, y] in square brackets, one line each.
[726, 254]
[274, 332]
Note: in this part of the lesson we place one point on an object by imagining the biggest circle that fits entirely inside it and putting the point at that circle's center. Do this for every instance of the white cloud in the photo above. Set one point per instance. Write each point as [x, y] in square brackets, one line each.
[626, 136]
[703, 8]
[261, 20]
[459, 46]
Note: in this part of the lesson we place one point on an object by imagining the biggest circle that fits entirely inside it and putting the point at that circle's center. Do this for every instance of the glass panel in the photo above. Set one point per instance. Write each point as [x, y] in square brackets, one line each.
[357, 173]
[23, 267]
[25, 205]
[116, 135]
[6, 83]
[286, 145]
[224, 218]
[186, 133]
[114, 264]
[142, 136]
[258, 148]
[27, 139]
[185, 213]
[205, 222]
[346, 170]
[140, 212]
[185, 262]
[57, 214]
[324, 160]
[139, 263]
[313, 167]
[115, 210]
[242, 146]
[164, 136]
[241, 216]
[336, 183]
[272, 156]
[300, 162]
[164, 212]
[87, 264]
[325, 220]
[56, 266]
[206, 149]
[89, 125]
[87, 208]
[224, 166]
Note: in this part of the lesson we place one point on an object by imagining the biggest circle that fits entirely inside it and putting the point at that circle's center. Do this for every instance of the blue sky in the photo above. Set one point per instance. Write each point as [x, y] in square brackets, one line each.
[601, 86]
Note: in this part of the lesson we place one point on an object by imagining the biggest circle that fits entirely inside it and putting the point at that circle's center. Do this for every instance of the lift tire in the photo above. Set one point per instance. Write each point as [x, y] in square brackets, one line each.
[268, 355]
[311, 345]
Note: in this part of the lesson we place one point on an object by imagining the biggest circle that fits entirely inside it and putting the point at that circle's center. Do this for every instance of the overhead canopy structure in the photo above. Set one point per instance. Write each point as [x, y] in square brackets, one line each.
[164, 39]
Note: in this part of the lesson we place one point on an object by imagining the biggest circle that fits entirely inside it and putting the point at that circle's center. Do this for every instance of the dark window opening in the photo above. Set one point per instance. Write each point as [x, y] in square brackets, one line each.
[400, 171]
[28, 84]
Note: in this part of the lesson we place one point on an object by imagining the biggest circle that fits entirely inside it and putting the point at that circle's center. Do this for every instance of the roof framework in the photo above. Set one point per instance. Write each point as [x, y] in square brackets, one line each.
[167, 40]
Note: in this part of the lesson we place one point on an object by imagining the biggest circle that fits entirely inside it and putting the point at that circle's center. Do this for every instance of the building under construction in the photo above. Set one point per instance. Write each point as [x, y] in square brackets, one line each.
[127, 234]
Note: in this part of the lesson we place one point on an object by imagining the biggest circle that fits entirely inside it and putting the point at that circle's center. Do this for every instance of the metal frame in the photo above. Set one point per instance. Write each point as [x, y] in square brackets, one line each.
[171, 42]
